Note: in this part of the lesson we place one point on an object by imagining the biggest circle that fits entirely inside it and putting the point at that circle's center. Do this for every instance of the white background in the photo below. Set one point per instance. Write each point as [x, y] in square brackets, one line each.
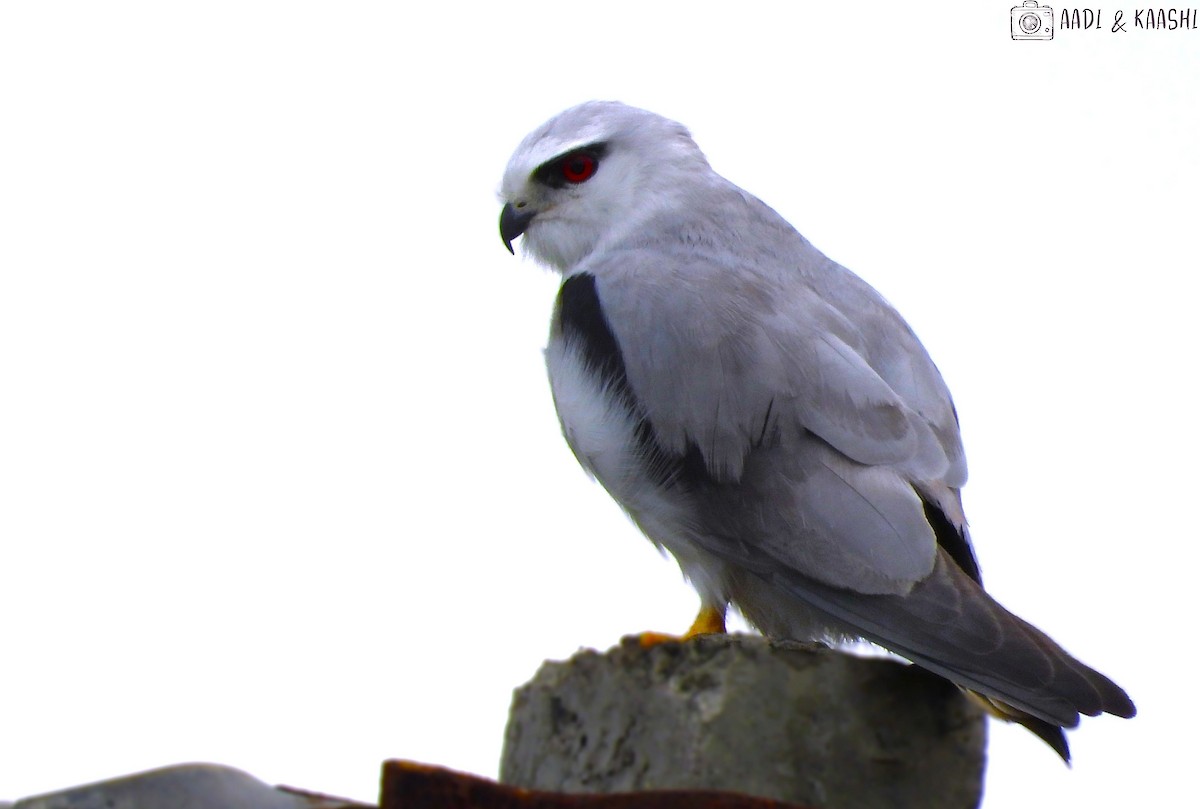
[280, 482]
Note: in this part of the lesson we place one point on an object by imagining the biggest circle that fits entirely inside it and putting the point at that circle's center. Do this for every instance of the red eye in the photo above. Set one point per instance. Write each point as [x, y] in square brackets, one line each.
[578, 167]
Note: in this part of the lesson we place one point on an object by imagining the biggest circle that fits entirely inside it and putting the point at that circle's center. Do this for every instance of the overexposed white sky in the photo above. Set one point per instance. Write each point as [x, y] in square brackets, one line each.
[281, 485]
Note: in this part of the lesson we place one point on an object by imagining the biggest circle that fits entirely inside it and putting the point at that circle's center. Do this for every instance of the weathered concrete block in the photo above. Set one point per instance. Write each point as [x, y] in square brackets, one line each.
[793, 722]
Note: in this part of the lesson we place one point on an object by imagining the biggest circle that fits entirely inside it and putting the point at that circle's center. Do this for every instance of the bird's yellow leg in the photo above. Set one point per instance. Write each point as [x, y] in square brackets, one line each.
[709, 621]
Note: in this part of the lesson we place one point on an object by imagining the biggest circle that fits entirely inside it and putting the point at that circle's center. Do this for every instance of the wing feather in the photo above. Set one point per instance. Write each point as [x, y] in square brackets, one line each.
[708, 356]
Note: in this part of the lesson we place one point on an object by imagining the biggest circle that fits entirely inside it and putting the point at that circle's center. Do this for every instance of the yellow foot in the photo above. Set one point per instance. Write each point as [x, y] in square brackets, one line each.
[710, 621]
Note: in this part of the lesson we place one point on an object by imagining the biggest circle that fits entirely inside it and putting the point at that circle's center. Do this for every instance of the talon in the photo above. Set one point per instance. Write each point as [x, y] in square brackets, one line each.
[648, 639]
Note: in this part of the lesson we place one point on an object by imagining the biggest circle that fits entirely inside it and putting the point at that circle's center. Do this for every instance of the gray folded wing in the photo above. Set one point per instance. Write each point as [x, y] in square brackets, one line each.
[729, 358]
[724, 351]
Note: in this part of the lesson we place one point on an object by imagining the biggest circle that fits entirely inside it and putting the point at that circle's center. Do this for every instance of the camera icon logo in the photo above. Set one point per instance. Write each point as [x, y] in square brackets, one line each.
[1031, 21]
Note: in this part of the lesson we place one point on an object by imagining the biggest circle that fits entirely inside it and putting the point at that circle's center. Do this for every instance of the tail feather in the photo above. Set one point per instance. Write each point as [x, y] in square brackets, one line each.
[949, 625]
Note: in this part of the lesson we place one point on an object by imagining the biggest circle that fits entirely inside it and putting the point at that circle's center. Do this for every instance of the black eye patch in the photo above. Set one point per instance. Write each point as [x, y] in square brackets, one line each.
[574, 167]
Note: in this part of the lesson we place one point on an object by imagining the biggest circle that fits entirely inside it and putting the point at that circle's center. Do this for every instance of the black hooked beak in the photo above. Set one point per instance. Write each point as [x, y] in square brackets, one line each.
[513, 222]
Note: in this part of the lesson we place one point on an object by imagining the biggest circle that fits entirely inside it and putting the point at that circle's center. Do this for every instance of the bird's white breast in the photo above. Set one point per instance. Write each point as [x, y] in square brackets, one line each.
[602, 431]
[596, 421]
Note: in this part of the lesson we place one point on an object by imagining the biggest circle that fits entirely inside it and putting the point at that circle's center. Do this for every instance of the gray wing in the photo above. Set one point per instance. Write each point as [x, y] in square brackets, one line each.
[727, 350]
[727, 356]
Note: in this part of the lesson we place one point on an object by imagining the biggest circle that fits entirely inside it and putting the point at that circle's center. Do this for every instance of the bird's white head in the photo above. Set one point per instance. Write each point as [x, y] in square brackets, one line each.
[590, 173]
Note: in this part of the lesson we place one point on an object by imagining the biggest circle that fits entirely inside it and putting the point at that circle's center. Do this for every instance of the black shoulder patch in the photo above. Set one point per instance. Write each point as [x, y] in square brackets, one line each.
[583, 322]
[952, 541]
[581, 319]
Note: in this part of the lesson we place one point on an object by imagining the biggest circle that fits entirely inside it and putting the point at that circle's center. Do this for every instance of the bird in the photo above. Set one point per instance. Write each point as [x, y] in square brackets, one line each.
[765, 416]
